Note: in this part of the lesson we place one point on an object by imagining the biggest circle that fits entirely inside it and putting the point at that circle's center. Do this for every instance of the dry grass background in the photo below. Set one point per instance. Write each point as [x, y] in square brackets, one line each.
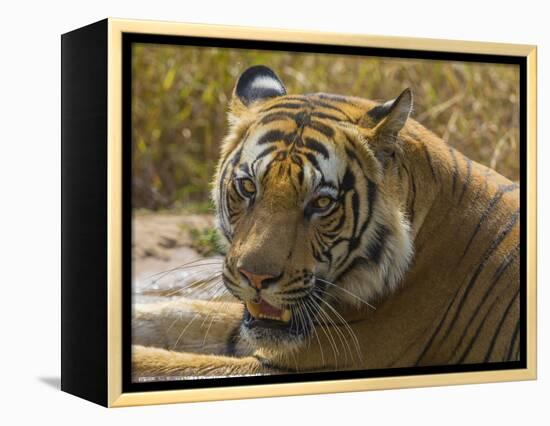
[181, 96]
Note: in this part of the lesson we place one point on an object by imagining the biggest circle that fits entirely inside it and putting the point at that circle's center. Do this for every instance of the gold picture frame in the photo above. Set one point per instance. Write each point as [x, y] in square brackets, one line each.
[108, 389]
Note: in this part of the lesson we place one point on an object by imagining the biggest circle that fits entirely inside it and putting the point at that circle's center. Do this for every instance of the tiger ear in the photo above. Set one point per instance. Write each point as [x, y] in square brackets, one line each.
[255, 84]
[396, 114]
[389, 119]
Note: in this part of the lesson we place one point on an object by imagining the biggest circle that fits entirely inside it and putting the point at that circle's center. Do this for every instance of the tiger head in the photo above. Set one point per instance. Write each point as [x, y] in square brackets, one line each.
[307, 199]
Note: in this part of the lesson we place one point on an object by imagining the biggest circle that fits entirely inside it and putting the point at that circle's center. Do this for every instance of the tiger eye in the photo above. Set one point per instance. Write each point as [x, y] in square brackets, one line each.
[247, 186]
[322, 202]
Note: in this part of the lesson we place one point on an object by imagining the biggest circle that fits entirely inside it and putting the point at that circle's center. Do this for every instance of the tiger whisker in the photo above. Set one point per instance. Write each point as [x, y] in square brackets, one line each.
[208, 329]
[200, 288]
[306, 313]
[191, 274]
[311, 313]
[221, 308]
[221, 292]
[331, 325]
[217, 294]
[213, 314]
[300, 319]
[344, 322]
[327, 331]
[337, 329]
[346, 291]
[346, 325]
[174, 268]
[306, 320]
[190, 264]
[186, 288]
[197, 285]
[173, 323]
[184, 330]
[201, 282]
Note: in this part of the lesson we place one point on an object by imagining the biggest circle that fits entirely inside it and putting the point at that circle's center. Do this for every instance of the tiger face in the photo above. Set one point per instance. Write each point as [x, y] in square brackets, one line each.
[304, 198]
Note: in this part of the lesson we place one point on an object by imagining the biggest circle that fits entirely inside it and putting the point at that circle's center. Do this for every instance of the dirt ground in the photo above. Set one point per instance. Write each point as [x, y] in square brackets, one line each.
[162, 250]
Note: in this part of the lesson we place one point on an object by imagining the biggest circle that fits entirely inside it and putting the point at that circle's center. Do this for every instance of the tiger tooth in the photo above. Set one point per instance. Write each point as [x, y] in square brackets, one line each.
[253, 308]
[285, 317]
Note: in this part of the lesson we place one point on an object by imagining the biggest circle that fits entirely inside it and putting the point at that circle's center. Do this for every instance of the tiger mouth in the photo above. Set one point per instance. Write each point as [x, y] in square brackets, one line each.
[264, 311]
[265, 325]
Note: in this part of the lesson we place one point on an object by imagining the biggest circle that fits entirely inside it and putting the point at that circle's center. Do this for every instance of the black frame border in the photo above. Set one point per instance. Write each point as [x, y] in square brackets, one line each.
[128, 39]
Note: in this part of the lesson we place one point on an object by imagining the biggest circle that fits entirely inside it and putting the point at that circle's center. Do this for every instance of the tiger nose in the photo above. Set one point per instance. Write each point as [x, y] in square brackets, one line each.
[255, 280]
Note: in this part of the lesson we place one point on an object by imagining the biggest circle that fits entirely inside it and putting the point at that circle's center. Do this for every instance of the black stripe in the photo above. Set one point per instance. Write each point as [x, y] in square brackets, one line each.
[500, 324]
[496, 198]
[455, 167]
[510, 257]
[267, 169]
[479, 192]
[276, 116]
[285, 105]
[315, 145]
[316, 254]
[496, 242]
[254, 165]
[265, 152]
[476, 333]
[325, 116]
[313, 160]
[353, 243]
[356, 239]
[513, 343]
[412, 194]
[430, 162]
[336, 228]
[322, 128]
[326, 105]
[302, 119]
[222, 193]
[273, 136]
[467, 180]
[237, 156]
[229, 282]
[371, 195]
[245, 168]
[355, 211]
[296, 159]
[232, 341]
[496, 277]
[294, 291]
[350, 152]
[376, 246]
[348, 182]
[436, 331]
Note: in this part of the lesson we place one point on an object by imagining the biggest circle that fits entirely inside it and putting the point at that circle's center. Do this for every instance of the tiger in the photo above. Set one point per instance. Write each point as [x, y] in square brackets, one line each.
[356, 239]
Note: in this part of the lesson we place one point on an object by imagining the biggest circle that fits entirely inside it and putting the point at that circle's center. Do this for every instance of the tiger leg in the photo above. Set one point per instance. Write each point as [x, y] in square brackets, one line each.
[149, 363]
[186, 325]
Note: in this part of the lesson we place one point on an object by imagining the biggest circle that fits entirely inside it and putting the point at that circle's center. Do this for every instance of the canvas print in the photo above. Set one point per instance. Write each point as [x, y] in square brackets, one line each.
[303, 212]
